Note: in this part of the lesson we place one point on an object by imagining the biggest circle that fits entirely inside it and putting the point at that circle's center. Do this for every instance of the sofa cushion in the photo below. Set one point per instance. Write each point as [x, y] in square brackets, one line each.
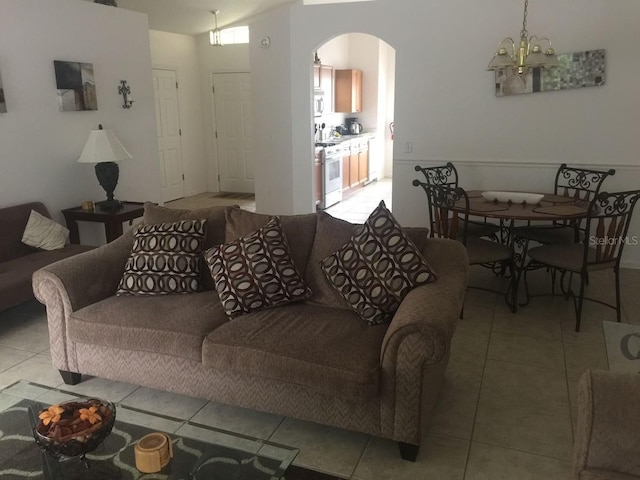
[42, 232]
[15, 275]
[331, 234]
[418, 235]
[377, 267]
[317, 347]
[299, 230]
[170, 325]
[215, 217]
[165, 259]
[256, 272]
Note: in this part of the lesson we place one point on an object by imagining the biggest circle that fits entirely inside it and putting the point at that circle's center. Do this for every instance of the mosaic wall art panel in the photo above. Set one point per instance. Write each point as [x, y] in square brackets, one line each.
[576, 70]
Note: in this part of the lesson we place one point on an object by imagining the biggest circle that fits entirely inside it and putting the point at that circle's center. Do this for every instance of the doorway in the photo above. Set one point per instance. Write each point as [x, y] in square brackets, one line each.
[369, 63]
[234, 131]
[165, 93]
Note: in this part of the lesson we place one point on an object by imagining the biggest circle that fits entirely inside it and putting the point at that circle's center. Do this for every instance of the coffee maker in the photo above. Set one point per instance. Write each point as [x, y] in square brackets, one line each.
[352, 126]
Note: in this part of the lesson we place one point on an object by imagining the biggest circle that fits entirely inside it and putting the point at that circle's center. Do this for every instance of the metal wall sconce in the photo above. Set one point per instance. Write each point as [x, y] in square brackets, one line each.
[125, 91]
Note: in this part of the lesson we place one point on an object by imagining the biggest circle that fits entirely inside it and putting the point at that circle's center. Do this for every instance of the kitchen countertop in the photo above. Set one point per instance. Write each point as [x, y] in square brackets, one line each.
[345, 138]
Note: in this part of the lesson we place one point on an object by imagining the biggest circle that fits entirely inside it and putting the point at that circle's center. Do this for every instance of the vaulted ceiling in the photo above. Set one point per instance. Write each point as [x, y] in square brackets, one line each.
[193, 17]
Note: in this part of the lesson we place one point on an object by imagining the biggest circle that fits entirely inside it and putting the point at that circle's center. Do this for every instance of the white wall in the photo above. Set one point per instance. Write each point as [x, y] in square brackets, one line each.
[445, 103]
[39, 145]
[227, 59]
[278, 189]
[386, 99]
[364, 54]
[172, 51]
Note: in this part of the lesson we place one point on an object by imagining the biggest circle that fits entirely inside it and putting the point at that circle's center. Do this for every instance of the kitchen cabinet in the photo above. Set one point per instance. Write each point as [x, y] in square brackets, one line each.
[363, 164]
[348, 91]
[346, 168]
[353, 166]
[317, 178]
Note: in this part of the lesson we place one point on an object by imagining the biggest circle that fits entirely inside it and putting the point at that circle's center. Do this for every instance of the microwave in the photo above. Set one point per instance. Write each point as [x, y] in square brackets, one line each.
[318, 102]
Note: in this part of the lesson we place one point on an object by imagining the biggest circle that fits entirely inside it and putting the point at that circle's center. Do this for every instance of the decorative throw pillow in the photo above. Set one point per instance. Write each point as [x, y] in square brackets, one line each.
[377, 268]
[42, 232]
[256, 271]
[215, 217]
[165, 259]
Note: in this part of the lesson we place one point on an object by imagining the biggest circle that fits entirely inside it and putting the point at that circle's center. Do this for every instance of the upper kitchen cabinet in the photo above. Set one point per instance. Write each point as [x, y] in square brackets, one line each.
[348, 91]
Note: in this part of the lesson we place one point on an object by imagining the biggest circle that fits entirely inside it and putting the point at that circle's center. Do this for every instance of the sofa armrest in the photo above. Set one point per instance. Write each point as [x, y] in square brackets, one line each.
[74, 283]
[415, 349]
[606, 435]
[432, 310]
[86, 278]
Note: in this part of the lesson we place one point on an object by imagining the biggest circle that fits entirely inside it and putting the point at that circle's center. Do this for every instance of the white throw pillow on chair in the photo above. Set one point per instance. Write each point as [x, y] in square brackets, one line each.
[42, 232]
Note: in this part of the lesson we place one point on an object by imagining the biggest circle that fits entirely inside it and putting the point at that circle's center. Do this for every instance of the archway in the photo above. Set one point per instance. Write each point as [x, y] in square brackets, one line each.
[364, 65]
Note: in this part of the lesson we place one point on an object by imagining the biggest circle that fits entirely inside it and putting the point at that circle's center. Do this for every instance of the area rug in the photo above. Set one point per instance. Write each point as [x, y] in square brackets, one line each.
[623, 346]
[21, 458]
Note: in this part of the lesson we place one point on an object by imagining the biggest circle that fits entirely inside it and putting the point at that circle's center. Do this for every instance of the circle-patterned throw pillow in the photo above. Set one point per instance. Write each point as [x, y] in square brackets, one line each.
[165, 259]
[256, 272]
[377, 267]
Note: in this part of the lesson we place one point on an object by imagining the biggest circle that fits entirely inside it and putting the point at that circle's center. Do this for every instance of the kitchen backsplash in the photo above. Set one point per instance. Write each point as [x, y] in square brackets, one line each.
[330, 121]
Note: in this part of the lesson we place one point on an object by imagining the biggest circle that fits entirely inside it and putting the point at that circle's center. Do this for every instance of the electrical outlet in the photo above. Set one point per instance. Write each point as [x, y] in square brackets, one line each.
[408, 148]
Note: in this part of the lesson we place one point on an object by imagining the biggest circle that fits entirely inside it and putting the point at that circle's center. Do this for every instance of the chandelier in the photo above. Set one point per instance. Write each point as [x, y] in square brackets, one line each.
[529, 54]
[214, 35]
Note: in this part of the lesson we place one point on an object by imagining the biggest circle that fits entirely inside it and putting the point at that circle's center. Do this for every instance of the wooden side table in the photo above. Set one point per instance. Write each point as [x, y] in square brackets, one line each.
[112, 220]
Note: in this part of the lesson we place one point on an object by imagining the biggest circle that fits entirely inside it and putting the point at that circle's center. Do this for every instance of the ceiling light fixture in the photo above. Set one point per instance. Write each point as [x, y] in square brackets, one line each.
[214, 35]
[529, 53]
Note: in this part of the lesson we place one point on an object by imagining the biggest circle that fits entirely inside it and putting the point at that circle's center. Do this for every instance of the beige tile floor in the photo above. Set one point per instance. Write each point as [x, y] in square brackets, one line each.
[506, 409]
[355, 209]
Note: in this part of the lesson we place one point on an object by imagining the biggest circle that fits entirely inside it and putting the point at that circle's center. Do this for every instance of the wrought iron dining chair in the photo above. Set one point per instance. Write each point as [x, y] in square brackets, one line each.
[450, 208]
[578, 183]
[606, 227]
[447, 175]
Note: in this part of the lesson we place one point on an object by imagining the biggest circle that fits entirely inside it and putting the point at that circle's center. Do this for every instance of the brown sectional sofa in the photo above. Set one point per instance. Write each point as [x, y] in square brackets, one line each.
[17, 260]
[316, 360]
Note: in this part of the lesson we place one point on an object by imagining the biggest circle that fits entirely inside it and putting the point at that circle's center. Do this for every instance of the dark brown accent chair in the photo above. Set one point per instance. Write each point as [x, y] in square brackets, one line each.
[606, 227]
[17, 260]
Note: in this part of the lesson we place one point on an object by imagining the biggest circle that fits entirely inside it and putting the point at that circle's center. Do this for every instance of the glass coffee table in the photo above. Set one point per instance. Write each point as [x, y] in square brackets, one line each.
[199, 451]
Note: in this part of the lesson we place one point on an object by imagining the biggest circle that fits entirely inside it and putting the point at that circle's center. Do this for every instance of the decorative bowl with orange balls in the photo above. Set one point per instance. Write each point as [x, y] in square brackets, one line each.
[74, 428]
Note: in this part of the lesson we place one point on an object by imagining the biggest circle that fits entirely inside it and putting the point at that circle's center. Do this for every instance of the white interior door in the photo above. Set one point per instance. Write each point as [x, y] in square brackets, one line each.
[234, 131]
[165, 90]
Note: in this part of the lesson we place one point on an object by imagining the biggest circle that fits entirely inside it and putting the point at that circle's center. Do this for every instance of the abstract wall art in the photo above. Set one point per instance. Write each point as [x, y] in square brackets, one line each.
[76, 86]
[576, 70]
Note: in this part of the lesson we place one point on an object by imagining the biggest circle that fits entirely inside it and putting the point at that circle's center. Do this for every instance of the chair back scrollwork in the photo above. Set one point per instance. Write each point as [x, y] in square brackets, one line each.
[446, 175]
[580, 183]
[607, 226]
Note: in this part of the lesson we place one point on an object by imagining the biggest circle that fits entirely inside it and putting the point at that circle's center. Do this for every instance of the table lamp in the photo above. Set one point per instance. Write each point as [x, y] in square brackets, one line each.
[104, 149]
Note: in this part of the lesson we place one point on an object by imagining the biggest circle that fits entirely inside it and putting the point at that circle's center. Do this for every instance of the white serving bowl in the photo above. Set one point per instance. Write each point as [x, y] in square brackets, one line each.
[513, 197]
